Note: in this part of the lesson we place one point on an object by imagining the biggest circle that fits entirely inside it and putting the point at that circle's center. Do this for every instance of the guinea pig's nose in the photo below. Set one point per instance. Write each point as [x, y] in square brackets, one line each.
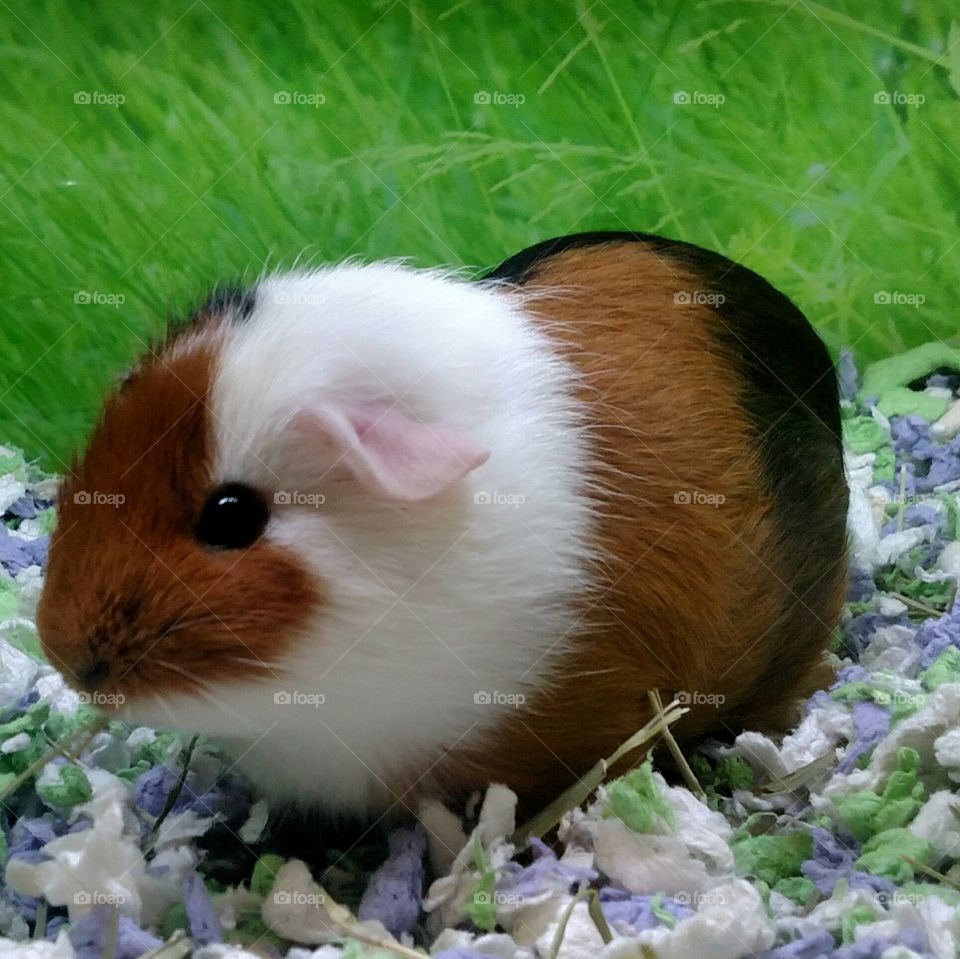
[90, 677]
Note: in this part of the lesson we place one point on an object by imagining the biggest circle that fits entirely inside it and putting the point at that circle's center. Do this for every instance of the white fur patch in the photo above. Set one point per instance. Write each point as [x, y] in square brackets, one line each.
[442, 615]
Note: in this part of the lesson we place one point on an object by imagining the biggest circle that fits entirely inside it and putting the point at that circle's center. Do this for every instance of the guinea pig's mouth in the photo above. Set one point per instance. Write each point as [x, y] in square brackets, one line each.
[200, 673]
[109, 683]
[113, 673]
[138, 692]
[129, 681]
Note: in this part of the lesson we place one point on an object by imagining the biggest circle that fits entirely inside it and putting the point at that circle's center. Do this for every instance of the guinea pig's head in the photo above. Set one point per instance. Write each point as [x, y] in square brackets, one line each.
[175, 565]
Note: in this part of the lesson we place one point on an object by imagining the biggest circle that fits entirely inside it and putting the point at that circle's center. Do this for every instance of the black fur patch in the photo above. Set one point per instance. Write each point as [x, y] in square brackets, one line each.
[230, 299]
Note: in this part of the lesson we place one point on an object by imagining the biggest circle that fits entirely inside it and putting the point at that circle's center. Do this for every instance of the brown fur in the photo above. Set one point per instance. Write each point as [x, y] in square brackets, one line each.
[717, 602]
[692, 598]
[146, 596]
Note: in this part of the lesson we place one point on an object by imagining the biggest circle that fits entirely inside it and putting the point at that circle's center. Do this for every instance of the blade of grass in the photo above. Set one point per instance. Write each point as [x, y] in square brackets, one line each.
[172, 796]
[581, 790]
[693, 784]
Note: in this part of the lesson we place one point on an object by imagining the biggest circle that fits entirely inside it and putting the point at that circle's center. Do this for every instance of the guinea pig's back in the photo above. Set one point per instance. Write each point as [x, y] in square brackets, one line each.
[719, 486]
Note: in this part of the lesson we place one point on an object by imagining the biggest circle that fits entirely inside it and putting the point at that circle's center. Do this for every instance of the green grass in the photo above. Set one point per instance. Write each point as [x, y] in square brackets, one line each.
[200, 176]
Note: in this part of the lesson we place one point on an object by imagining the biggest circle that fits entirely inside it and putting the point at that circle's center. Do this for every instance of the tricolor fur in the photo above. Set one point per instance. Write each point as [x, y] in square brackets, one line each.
[478, 558]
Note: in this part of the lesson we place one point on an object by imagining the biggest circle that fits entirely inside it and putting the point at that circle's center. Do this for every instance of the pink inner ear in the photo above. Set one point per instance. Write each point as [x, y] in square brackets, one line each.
[390, 453]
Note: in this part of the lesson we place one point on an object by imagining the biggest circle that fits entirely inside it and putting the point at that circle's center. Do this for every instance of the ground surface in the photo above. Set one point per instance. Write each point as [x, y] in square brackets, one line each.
[842, 841]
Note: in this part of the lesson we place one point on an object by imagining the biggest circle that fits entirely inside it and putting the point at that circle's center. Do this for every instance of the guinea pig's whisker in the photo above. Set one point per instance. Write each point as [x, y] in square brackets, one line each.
[182, 672]
[166, 708]
[188, 623]
[203, 688]
[258, 663]
[209, 696]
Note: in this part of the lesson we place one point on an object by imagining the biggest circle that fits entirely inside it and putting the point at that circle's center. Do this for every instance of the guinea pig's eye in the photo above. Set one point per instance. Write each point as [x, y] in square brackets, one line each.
[233, 516]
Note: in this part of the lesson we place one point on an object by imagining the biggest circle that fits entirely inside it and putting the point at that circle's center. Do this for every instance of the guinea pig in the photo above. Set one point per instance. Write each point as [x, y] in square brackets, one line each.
[387, 533]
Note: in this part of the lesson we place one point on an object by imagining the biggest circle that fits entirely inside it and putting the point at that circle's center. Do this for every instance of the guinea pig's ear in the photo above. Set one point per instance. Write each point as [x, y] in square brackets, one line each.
[388, 452]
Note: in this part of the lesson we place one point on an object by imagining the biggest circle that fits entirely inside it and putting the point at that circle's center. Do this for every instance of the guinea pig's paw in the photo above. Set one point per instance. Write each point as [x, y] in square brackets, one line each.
[388, 452]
